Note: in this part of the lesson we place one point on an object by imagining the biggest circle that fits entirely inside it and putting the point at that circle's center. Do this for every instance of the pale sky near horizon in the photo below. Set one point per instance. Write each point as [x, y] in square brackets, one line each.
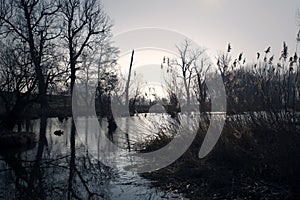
[249, 25]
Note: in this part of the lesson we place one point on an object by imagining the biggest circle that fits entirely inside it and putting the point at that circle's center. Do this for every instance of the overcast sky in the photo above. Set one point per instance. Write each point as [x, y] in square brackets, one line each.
[250, 25]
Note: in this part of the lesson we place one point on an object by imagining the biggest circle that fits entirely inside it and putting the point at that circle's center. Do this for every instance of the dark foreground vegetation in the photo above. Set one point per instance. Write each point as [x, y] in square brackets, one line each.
[255, 158]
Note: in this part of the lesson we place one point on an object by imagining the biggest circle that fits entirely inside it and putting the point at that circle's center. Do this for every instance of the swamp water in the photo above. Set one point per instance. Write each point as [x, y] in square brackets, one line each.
[57, 168]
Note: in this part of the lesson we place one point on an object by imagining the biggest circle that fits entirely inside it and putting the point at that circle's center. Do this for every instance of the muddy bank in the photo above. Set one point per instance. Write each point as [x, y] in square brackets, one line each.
[216, 182]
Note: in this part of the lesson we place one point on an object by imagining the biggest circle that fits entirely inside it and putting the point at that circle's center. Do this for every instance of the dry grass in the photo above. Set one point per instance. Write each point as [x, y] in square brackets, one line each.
[254, 152]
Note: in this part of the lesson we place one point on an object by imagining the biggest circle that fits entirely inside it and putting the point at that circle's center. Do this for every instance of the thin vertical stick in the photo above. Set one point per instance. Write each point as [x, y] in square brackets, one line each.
[128, 80]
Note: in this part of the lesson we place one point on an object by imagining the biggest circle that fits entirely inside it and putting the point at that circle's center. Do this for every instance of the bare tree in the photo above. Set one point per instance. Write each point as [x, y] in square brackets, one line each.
[200, 87]
[84, 26]
[188, 55]
[17, 81]
[34, 23]
[30, 28]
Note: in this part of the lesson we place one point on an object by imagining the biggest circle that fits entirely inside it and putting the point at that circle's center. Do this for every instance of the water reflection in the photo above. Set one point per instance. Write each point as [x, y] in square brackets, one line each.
[61, 167]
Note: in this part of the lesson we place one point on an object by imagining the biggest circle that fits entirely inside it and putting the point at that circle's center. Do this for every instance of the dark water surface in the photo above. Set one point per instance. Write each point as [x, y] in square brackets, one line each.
[62, 167]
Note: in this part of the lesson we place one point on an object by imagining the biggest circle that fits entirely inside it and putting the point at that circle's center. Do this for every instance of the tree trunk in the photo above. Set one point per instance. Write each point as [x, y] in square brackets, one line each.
[128, 81]
[36, 58]
[73, 75]
[112, 125]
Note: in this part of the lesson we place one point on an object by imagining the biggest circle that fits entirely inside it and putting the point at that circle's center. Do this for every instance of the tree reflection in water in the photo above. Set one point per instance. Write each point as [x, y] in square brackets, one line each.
[41, 174]
[61, 167]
